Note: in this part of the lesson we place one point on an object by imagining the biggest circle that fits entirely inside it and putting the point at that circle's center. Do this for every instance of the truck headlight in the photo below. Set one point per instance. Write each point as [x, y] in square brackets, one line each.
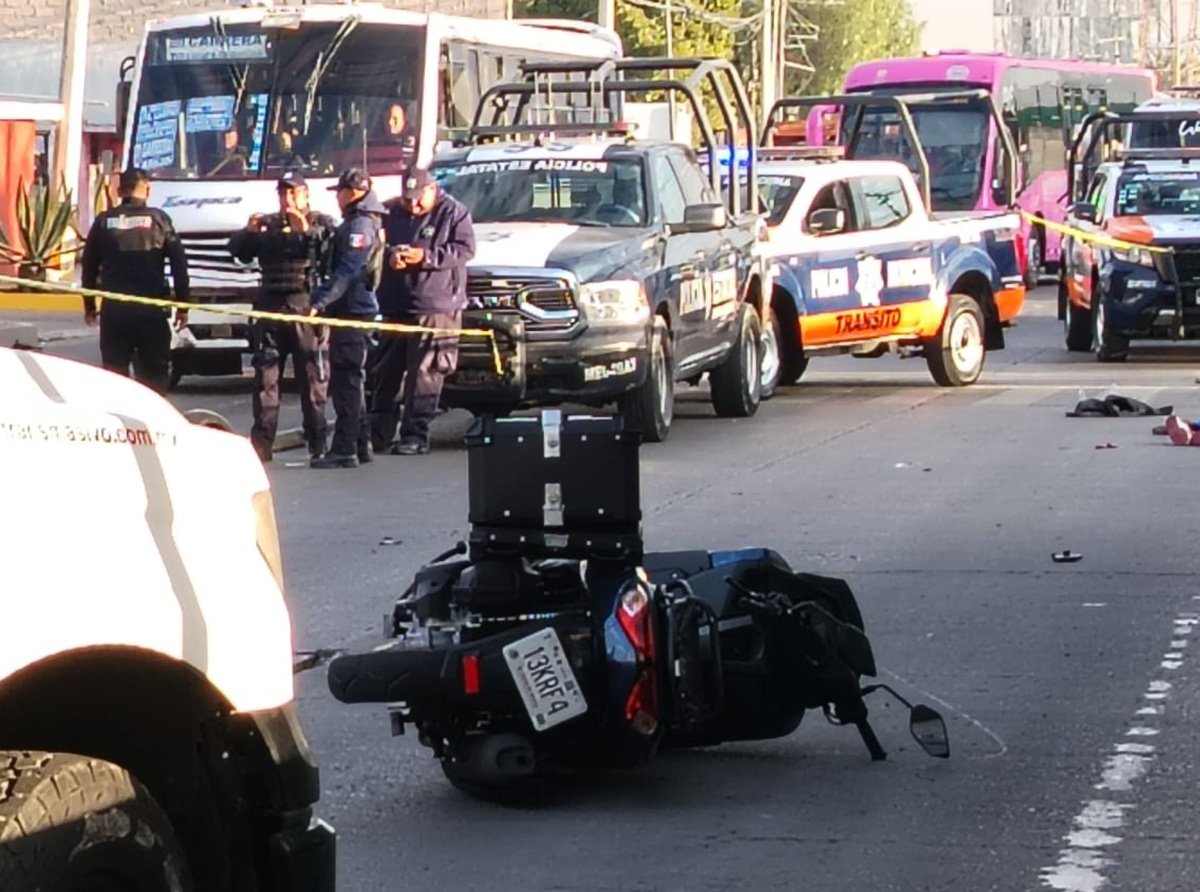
[1136, 256]
[619, 302]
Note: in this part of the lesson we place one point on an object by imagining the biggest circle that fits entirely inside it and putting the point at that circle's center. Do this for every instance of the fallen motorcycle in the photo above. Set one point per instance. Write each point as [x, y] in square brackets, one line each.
[553, 643]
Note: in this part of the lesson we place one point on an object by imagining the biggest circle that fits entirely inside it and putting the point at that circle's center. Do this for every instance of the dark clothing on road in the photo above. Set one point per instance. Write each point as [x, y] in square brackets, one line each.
[349, 293]
[127, 251]
[291, 262]
[439, 284]
[431, 295]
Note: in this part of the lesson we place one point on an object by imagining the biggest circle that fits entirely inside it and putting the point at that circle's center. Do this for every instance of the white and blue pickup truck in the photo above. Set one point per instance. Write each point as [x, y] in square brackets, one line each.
[860, 266]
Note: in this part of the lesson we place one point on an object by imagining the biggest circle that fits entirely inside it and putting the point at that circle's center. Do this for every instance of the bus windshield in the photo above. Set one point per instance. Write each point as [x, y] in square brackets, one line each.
[953, 137]
[1146, 194]
[241, 101]
[548, 190]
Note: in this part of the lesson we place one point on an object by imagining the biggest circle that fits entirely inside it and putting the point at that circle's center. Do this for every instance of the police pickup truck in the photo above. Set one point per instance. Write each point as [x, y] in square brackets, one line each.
[861, 264]
[609, 268]
[1131, 265]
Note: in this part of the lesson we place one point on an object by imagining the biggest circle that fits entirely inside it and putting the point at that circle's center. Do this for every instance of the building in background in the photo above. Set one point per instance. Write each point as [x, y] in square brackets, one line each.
[955, 25]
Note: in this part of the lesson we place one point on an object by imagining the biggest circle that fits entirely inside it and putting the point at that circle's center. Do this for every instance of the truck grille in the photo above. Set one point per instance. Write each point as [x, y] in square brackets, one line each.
[1187, 262]
[210, 265]
[547, 304]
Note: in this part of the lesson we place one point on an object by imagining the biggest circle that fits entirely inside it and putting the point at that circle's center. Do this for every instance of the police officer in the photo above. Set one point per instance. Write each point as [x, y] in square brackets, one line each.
[430, 237]
[126, 253]
[349, 293]
[290, 246]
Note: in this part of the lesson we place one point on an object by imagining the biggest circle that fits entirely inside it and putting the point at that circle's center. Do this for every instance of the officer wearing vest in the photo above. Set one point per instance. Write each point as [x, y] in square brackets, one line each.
[349, 293]
[126, 252]
[290, 247]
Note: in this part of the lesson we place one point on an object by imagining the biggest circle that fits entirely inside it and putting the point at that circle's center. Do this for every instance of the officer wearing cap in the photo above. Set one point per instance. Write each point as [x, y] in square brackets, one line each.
[349, 293]
[126, 252]
[430, 238]
[289, 246]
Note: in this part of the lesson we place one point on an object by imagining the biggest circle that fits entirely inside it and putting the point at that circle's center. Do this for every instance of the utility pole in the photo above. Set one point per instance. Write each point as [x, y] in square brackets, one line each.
[68, 142]
[1176, 58]
[670, 48]
[768, 62]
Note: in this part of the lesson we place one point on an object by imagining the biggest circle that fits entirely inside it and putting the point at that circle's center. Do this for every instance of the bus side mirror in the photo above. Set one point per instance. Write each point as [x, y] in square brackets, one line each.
[124, 92]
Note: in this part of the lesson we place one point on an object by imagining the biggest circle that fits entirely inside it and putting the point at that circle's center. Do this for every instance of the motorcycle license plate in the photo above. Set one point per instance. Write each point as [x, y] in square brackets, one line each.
[543, 676]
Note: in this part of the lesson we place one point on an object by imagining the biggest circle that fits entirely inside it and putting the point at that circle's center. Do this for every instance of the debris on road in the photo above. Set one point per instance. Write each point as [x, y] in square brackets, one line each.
[1116, 406]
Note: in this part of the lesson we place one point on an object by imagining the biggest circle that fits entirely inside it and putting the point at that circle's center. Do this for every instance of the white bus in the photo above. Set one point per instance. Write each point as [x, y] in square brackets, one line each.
[221, 103]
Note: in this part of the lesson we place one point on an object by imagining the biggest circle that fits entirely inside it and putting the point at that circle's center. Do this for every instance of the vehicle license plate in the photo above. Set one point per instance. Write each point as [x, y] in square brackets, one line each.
[539, 668]
[222, 331]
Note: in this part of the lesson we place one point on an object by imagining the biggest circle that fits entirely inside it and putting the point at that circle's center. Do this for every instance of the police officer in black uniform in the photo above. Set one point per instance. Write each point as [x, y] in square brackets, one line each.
[349, 293]
[126, 252]
[290, 247]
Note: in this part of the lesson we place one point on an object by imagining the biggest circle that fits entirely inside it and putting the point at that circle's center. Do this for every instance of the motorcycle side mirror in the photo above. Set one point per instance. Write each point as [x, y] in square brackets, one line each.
[929, 730]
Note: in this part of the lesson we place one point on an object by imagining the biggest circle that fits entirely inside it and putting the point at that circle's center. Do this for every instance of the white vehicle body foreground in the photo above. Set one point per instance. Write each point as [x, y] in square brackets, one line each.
[146, 643]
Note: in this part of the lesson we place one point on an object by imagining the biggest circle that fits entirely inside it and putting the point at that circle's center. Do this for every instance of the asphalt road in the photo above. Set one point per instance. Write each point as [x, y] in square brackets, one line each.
[1068, 688]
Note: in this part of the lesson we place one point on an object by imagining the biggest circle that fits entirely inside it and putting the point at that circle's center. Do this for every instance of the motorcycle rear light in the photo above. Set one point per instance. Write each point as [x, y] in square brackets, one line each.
[470, 671]
[636, 618]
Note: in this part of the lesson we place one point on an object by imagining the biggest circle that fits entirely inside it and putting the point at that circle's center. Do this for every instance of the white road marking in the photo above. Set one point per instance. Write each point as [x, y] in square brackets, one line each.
[1082, 864]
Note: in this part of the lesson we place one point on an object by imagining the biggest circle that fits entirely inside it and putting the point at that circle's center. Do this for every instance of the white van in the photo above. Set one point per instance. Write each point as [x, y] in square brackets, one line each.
[147, 727]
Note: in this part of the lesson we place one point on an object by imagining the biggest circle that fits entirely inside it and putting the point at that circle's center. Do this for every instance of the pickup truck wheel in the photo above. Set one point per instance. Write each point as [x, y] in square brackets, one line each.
[1076, 327]
[77, 824]
[737, 381]
[650, 408]
[770, 358]
[1109, 347]
[955, 355]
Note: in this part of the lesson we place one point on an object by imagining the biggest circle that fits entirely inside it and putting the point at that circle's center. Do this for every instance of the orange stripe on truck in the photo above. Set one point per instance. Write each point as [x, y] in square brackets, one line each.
[918, 319]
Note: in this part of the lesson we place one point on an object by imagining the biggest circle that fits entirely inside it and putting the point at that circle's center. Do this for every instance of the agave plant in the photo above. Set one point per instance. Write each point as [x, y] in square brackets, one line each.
[44, 219]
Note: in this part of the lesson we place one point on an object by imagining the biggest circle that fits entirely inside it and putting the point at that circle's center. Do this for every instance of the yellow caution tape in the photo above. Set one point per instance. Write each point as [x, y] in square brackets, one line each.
[266, 315]
[1095, 237]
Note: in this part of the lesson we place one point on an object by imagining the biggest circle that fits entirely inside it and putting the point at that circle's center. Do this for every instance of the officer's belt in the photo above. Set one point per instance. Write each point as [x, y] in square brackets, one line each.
[265, 315]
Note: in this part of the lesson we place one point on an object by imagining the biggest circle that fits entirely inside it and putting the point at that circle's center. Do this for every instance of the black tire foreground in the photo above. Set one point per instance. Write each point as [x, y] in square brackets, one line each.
[76, 824]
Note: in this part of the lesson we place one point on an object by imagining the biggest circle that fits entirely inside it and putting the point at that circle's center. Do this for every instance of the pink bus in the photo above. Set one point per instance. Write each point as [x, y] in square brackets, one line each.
[1041, 100]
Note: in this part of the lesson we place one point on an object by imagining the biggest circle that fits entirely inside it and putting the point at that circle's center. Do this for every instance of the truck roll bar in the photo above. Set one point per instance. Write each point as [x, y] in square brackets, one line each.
[604, 83]
[1093, 136]
[902, 104]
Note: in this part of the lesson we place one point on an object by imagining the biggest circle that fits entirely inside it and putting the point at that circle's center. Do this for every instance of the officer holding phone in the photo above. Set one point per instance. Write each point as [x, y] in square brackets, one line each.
[430, 238]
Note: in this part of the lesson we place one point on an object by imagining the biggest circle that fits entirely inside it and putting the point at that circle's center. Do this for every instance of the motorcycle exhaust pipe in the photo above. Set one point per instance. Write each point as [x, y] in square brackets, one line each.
[494, 760]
